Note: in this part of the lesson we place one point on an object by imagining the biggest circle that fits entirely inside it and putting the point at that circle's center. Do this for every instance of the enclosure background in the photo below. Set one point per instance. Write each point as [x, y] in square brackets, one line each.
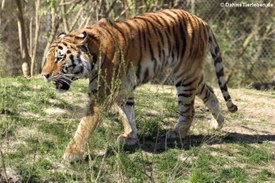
[246, 34]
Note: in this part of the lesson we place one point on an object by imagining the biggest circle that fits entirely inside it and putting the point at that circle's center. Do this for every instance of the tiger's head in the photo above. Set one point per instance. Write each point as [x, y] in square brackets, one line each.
[68, 59]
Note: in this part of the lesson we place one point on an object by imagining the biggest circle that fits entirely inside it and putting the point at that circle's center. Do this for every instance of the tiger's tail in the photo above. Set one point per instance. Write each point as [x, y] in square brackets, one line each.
[216, 55]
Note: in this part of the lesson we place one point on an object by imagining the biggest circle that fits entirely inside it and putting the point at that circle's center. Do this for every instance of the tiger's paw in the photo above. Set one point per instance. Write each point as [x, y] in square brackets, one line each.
[217, 123]
[73, 154]
[124, 140]
[180, 131]
[173, 134]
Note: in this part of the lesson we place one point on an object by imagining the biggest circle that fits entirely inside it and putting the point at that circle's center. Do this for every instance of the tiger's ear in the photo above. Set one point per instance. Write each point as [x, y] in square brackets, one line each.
[62, 34]
[82, 36]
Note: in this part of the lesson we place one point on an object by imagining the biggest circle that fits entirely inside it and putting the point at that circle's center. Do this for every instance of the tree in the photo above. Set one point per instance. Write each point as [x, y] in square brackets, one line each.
[25, 57]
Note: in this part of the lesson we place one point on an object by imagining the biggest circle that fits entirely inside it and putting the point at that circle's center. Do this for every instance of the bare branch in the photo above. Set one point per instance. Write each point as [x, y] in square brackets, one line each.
[37, 30]
[64, 16]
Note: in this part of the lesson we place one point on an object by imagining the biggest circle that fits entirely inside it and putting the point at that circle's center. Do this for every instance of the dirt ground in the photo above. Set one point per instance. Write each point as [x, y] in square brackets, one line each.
[256, 115]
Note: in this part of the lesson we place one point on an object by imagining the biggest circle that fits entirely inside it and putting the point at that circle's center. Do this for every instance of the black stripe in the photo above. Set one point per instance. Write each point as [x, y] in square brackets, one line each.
[169, 43]
[185, 95]
[202, 89]
[172, 51]
[189, 90]
[72, 59]
[182, 34]
[140, 34]
[169, 15]
[94, 91]
[108, 31]
[210, 88]
[78, 58]
[140, 46]
[201, 80]
[218, 60]
[204, 31]
[146, 20]
[147, 26]
[94, 59]
[155, 18]
[217, 50]
[130, 27]
[182, 113]
[189, 83]
[188, 105]
[120, 31]
[226, 98]
[213, 55]
[179, 83]
[161, 37]
[130, 103]
[224, 88]
[220, 72]
[151, 51]
[177, 40]
[163, 53]
[64, 57]
[167, 26]
[206, 98]
[193, 33]
[159, 50]
[144, 39]
[95, 77]
[138, 71]
[146, 74]
[153, 26]
[155, 67]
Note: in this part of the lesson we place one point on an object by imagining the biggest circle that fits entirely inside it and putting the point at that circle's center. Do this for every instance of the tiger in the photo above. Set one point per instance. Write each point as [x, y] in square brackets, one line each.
[146, 45]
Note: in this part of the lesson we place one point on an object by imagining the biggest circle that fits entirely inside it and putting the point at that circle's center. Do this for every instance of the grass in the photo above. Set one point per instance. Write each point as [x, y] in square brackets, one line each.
[36, 123]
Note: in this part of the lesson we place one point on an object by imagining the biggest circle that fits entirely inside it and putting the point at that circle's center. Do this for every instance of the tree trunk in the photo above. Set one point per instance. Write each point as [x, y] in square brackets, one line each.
[26, 60]
[54, 26]
[37, 29]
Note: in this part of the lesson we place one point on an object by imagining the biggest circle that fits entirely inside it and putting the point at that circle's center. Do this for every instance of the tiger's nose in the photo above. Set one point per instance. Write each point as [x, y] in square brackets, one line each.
[46, 76]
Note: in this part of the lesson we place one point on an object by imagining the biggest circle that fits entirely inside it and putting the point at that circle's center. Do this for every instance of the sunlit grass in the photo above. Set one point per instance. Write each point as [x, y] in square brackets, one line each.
[33, 140]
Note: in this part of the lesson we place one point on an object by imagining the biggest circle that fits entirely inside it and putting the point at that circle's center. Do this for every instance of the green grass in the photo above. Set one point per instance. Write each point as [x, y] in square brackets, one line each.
[33, 140]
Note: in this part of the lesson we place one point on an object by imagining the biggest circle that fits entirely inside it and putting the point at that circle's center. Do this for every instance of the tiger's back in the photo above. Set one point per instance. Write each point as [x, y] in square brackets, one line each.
[153, 42]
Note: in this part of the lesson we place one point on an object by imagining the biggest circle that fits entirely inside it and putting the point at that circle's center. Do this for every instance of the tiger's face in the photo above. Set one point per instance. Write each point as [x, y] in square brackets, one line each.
[68, 60]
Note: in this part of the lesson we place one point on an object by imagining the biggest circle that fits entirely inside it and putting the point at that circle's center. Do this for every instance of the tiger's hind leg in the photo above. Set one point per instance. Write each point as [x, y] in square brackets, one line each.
[206, 93]
[127, 115]
[186, 90]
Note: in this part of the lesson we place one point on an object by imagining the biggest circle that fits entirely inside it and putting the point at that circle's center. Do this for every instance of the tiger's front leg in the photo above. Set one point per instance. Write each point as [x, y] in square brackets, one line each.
[75, 149]
[127, 115]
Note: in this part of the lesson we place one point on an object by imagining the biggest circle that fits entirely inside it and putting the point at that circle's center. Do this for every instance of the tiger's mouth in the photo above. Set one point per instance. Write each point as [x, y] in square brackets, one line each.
[62, 86]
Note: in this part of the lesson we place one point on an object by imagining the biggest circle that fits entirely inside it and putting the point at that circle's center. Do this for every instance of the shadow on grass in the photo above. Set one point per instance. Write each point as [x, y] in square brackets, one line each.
[161, 144]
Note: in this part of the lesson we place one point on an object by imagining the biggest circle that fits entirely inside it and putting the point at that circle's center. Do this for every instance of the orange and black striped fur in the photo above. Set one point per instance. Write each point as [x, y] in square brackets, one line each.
[147, 45]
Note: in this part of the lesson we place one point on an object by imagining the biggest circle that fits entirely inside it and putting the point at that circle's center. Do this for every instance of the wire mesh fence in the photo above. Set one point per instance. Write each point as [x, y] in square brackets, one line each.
[245, 33]
[246, 36]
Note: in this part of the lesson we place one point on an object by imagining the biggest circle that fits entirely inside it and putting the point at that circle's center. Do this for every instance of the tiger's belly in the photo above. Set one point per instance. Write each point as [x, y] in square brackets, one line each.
[149, 70]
